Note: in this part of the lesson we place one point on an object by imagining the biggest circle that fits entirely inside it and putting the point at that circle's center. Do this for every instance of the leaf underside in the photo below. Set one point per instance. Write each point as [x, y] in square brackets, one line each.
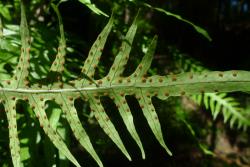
[114, 85]
[216, 102]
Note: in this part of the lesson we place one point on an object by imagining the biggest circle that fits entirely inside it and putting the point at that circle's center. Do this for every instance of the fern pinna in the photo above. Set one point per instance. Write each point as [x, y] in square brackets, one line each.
[216, 102]
[114, 85]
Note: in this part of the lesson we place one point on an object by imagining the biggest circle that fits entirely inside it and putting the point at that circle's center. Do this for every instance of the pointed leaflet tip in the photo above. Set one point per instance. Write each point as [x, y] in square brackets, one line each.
[106, 124]
[24, 27]
[58, 64]
[39, 102]
[60, 22]
[121, 59]
[152, 118]
[20, 78]
[93, 7]
[127, 117]
[198, 29]
[147, 59]
[75, 124]
[96, 50]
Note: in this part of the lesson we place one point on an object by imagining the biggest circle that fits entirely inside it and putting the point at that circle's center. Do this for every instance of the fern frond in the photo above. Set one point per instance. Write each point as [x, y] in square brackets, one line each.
[216, 102]
[58, 64]
[114, 85]
[9, 103]
[67, 104]
[19, 80]
[228, 106]
[198, 29]
[22, 72]
[93, 7]
[38, 106]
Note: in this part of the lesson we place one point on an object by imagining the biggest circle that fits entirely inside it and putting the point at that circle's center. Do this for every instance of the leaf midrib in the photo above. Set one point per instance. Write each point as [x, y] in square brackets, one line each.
[124, 87]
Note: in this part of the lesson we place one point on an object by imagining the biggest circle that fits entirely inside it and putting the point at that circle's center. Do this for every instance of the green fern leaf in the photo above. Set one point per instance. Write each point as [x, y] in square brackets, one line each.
[106, 124]
[127, 117]
[197, 28]
[216, 102]
[67, 102]
[20, 78]
[67, 105]
[114, 85]
[58, 64]
[96, 51]
[38, 106]
[14, 143]
[93, 7]
[116, 72]
[144, 97]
